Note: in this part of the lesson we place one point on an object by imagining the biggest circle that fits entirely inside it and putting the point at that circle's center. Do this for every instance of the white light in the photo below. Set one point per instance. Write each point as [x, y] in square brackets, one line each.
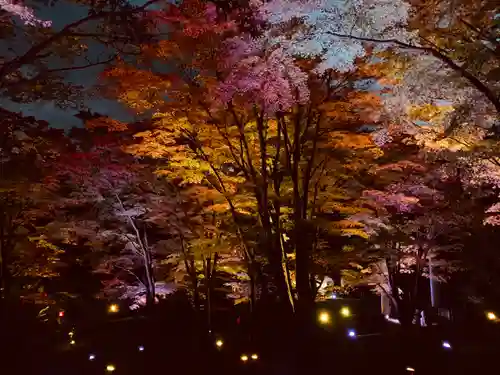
[141, 348]
[446, 345]
[334, 296]
[255, 356]
[410, 369]
[91, 357]
[72, 342]
[351, 333]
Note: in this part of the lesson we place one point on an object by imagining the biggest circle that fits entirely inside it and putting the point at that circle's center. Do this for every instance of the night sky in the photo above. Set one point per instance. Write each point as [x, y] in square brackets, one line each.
[63, 13]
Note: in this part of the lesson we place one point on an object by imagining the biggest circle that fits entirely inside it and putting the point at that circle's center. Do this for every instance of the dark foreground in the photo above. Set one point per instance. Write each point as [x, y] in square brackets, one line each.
[179, 343]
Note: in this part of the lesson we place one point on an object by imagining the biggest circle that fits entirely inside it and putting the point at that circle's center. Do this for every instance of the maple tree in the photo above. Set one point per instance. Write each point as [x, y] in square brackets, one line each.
[41, 68]
[276, 146]
[26, 257]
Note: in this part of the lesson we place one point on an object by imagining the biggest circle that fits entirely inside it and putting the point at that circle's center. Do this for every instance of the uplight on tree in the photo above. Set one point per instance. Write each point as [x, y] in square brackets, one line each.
[110, 368]
[491, 316]
[345, 312]
[324, 318]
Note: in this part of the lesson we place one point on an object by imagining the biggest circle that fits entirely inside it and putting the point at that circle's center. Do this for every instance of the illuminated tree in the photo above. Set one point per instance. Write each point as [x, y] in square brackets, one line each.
[26, 257]
[272, 141]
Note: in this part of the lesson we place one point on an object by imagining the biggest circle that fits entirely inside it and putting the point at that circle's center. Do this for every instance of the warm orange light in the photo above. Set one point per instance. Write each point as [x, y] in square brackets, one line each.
[491, 316]
[345, 312]
[219, 343]
[255, 357]
[244, 357]
[110, 368]
[324, 317]
[113, 308]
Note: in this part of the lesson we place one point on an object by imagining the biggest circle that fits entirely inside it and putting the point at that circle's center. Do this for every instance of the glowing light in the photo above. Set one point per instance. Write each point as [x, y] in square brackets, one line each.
[351, 333]
[410, 369]
[324, 317]
[244, 357]
[72, 342]
[61, 314]
[113, 308]
[140, 348]
[345, 312]
[491, 315]
[255, 357]
[446, 345]
[110, 368]
[91, 357]
[70, 334]
[219, 343]
[334, 296]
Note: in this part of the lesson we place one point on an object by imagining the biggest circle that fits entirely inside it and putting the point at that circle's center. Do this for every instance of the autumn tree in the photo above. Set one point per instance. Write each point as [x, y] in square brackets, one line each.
[38, 59]
[276, 139]
[26, 257]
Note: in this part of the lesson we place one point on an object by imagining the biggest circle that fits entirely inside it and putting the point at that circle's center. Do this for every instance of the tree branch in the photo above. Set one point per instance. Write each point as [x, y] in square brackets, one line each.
[79, 67]
[33, 53]
[476, 82]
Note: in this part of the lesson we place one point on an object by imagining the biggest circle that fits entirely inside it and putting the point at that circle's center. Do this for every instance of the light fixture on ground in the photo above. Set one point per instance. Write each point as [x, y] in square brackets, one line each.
[255, 357]
[491, 315]
[219, 343]
[110, 368]
[91, 357]
[410, 369]
[324, 317]
[345, 312]
[140, 348]
[351, 333]
[244, 358]
[446, 345]
[72, 342]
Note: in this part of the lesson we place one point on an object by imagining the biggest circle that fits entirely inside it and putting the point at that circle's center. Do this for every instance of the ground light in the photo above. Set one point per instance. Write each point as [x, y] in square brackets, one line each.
[491, 315]
[345, 312]
[410, 369]
[244, 358]
[446, 345]
[91, 357]
[255, 357]
[110, 368]
[219, 343]
[324, 317]
[351, 333]
[140, 348]
[72, 342]
[113, 308]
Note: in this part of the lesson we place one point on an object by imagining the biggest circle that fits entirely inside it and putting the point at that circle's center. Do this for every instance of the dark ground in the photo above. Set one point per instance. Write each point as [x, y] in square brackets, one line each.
[175, 341]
